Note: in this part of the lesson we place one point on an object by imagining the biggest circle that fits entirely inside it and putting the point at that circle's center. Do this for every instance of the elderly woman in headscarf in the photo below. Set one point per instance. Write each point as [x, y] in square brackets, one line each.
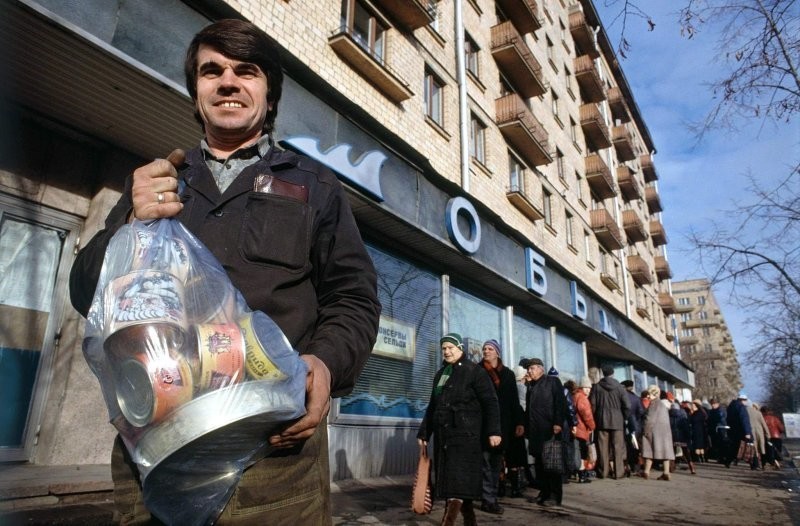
[464, 414]
[657, 435]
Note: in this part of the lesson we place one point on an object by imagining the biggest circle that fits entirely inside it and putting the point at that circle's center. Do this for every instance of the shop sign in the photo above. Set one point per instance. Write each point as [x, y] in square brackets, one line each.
[364, 173]
[395, 339]
[580, 311]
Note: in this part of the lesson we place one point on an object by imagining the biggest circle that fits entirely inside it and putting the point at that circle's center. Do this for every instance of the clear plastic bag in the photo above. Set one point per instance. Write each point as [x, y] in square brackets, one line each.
[194, 381]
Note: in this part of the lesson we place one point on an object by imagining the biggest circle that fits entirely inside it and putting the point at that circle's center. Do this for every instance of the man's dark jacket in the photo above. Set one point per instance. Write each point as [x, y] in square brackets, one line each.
[610, 404]
[294, 253]
[546, 406]
[636, 414]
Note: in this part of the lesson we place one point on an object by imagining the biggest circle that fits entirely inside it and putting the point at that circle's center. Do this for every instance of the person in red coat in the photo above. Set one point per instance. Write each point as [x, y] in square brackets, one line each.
[585, 427]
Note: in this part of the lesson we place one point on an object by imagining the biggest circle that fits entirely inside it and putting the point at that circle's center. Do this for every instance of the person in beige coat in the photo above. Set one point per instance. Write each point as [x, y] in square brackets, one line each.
[656, 436]
[760, 434]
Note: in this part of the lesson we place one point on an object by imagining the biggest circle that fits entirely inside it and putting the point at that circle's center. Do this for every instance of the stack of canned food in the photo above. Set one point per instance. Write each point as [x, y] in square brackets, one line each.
[172, 332]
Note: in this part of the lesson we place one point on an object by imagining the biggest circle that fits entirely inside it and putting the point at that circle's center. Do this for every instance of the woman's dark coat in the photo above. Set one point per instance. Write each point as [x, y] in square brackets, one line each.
[546, 407]
[681, 428]
[698, 420]
[461, 419]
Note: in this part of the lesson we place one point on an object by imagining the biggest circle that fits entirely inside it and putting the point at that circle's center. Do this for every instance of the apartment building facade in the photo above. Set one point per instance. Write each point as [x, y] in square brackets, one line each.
[499, 169]
[706, 341]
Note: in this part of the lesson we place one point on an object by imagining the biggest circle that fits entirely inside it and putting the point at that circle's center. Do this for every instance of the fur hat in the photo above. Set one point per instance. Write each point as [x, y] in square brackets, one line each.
[519, 372]
[586, 382]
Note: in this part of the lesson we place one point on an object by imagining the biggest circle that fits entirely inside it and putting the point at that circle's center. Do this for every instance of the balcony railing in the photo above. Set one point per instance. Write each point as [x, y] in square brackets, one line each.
[653, 200]
[623, 140]
[411, 14]
[524, 14]
[515, 60]
[592, 87]
[648, 168]
[583, 34]
[711, 322]
[522, 198]
[606, 229]
[662, 268]
[594, 127]
[634, 226]
[599, 177]
[616, 101]
[657, 233]
[372, 68]
[667, 302]
[628, 185]
[523, 130]
[640, 271]
[683, 308]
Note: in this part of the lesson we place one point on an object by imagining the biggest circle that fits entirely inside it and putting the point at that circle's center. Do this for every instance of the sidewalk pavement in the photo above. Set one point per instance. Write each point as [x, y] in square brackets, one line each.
[715, 496]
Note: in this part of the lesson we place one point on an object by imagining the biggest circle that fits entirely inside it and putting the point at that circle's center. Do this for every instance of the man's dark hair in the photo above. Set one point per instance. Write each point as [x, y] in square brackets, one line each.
[608, 370]
[239, 40]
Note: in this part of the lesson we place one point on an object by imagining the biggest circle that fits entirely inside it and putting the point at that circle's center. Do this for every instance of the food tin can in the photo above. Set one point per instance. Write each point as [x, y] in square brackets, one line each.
[259, 364]
[145, 296]
[150, 387]
[218, 360]
[167, 255]
[210, 298]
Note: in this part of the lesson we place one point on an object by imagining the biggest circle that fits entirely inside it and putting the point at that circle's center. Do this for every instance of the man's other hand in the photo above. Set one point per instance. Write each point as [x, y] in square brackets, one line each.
[318, 403]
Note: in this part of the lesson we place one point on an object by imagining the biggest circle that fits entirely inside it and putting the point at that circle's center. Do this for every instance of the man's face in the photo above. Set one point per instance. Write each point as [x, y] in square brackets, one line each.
[489, 353]
[451, 353]
[231, 98]
[535, 372]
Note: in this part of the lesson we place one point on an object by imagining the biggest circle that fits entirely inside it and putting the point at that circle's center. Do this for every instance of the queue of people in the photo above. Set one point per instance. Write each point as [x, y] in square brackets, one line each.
[499, 430]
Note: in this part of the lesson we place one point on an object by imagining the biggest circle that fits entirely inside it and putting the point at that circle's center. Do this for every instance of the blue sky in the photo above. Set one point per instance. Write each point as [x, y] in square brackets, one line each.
[698, 181]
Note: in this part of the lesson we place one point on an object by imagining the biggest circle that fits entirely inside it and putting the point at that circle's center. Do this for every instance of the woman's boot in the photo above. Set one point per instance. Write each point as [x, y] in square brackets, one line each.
[451, 512]
[514, 477]
[468, 511]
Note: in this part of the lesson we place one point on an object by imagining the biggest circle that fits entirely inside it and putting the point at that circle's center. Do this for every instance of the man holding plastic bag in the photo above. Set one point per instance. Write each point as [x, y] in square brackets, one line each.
[281, 227]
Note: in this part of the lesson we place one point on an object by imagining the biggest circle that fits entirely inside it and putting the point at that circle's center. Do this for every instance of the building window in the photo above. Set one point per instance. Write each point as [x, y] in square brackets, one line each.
[433, 91]
[560, 165]
[433, 9]
[547, 207]
[551, 57]
[703, 315]
[684, 301]
[477, 140]
[568, 229]
[686, 316]
[573, 131]
[706, 331]
[471, 55]
[708, 347]
[701, 300]
[554, 105]
[364, 27]
[587, 246]
[579, 185]
[516, 174]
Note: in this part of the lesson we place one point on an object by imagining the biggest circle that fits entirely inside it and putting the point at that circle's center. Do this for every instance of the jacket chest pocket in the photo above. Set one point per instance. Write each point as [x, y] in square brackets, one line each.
[276, 231]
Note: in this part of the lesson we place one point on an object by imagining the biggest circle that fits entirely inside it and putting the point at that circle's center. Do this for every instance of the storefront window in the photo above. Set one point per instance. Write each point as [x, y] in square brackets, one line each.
[476, 321]
[531, 341]
[639, 381]
[569, 358]
[396, 381]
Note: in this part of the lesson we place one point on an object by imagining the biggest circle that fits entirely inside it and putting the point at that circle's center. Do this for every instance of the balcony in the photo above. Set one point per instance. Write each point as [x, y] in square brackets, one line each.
[368, 66]
[628, 185]
[683, 308]
[623, 140]
[522, 198]
[583, 34]
[639, 270]
[599, 177]
[411, 14]
[657, 233]
[662, 268]
[522, 130]
[688, 340]
[666, 302]
[616, 101]
[515, 60]
[634, 227]
[592, 87]
[711, 322]
[594, 127]
[653, 200]
[524, 14]
[610, 281]
[606, 229]
[648, 168]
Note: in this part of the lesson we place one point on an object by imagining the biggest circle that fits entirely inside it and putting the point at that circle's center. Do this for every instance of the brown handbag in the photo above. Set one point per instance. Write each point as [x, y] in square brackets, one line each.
[421, 498]
[746, 451]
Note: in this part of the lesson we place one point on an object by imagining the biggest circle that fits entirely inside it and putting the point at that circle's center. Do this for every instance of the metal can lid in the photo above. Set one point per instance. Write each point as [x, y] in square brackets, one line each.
[135, 394]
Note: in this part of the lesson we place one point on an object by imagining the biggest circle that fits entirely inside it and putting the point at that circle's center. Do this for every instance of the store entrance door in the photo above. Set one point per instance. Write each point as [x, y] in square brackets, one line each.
[36, 252]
